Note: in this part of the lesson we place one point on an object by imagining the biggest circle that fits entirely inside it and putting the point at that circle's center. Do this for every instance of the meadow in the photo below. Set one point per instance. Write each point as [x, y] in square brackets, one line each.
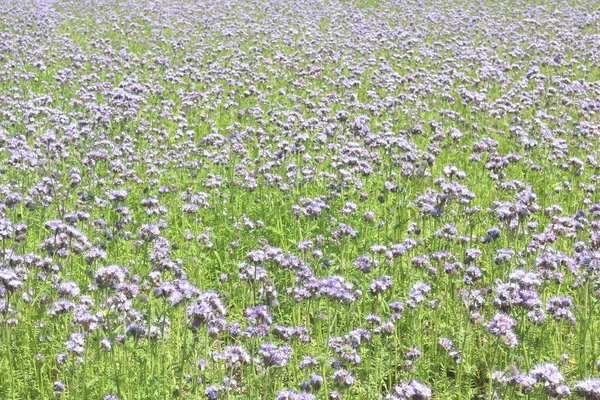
[299, 200]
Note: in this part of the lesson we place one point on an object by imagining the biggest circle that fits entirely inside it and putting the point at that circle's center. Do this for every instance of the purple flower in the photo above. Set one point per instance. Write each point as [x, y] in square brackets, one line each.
[105, 344]
[293, 395]
[588, 388]
[344, 378]
[411, 390]
[6, 228]
[380, 285]
[334, 287]
[364, 263]
[494, 233]
[273, 355]
[547, 373]
[502, 326]
[109, 276]
[315, 381]
[418, 294]
[472, 255]
[58, 387]
[68, 289]
[207, 308]
[212, 392]
[258, 315]
[10, 280]
[234, 356]
[414, 354]
[117, 196]
[75, 344]
[307, 362]
[560, 308]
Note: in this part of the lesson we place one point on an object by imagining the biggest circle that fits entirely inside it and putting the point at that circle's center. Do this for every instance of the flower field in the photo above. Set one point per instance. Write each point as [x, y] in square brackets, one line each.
[298, 200]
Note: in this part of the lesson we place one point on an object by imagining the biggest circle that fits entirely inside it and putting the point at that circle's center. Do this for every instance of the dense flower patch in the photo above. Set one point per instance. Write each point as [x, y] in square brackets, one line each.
[313, 199]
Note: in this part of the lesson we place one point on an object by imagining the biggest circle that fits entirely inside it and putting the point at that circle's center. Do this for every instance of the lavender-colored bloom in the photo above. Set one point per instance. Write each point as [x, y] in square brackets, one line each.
[502, 326]
[560, 308]
[518, 293]
[212, 392]
[344, 378]
[503, 256]
[397, 306]
[380, 285]
[258, 315]
[273, 355]
[75, 344]
[411, 390]
[346, 347]
[515, 377]
[105, 344]
[446, 343]
[6, 228]
[234, 356]
[560, 391]
[418, 294]
[128, 290]
[420, 261]
[335, 287]
[525, 279]
[293, 395]
[335, 395]
[414, 354]
[110, 275]
[10, 280]
[252, 273]
[95, 253]
[588, 388]
[307, 362]
[537, 316]
[288, 332]
[373, 319]
[364, 263]
[472, 275]
[61, 307]
[61, 358]
[208, 307]
[472, 255]
[315, 381]
[494, 233]
[547, 373]
[149, 232]
[117, 196]
[58, 387]
[68, 289]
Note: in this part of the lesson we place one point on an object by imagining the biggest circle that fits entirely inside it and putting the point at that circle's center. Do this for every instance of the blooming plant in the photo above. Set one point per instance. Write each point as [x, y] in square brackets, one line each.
[311, 199]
